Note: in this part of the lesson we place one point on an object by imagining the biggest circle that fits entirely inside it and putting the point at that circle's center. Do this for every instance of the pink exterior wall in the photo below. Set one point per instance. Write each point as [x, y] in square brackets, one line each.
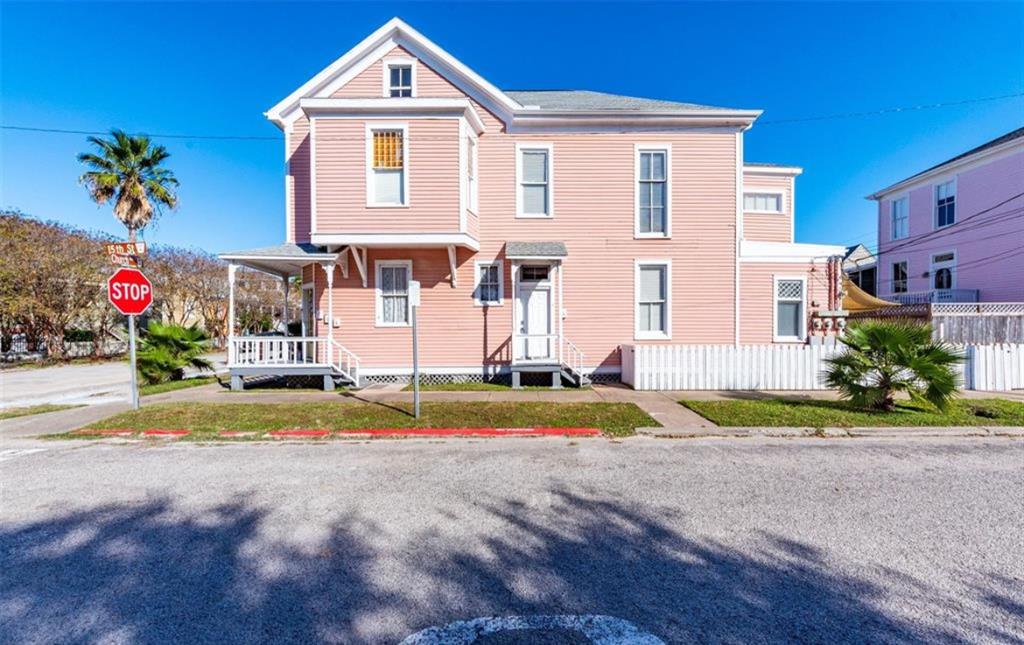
[370, 82]
[298, 184]
[433, 178]
[757, 296]
[769, 227]
[593, 193]
[985, 245]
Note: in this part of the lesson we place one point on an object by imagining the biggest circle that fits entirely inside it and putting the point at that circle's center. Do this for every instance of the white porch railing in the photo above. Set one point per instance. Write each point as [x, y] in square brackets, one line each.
[935, 295]
[345, 361]
[246, 351]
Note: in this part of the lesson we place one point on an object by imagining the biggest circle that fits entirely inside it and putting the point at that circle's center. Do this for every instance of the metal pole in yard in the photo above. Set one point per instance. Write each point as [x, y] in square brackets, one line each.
[131, 354]
[415, 367]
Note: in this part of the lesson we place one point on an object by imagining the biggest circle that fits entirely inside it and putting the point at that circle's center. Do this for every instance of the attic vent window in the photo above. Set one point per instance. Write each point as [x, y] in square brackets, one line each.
[400, 80]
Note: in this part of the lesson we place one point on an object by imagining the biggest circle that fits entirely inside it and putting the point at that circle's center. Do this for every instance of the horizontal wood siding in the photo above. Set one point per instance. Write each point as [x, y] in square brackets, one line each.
[370, 82]
[769, 227]
[298, 170]
[757, 296]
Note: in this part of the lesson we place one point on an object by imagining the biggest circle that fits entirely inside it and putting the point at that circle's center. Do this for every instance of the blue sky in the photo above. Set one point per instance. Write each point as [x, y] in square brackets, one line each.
[214, 68]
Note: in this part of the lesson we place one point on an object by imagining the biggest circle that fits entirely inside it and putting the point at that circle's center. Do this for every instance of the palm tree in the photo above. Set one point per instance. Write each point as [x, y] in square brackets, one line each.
[166, 350]
[127, 169]
[884, 358]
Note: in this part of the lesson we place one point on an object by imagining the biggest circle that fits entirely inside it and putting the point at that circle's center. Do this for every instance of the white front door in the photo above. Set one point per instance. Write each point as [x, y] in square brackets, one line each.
[534, 321]
[308, 324]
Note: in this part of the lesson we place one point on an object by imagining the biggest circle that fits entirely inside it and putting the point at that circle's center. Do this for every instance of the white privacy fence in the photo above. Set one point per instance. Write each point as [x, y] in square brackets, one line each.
[786, 367]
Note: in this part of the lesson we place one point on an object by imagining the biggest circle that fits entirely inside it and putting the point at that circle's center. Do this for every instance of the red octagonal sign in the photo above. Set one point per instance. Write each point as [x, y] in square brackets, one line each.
[130, 292]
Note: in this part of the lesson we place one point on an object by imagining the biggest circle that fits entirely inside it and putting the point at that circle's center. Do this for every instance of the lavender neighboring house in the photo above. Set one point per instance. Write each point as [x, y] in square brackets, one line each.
[955, 232]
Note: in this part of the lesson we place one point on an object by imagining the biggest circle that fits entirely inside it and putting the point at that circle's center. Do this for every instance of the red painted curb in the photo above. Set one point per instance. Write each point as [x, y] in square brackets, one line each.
[166, 433]
[299, 433]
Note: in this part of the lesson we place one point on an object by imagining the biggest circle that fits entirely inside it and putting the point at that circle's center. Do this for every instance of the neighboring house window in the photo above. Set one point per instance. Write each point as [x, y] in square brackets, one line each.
[943, 270]
[489, 283]
[471, 170]
[653, 299]
[387, 183]
[393, 292]
[900, 222]
[789, 309]
[762, 202]
[899, 277]
[399, 79]
[945, 204]
[652, 192]
[533, 174]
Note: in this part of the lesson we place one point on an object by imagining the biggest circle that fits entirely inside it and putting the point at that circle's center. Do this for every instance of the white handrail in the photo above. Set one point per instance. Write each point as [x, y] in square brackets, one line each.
[347, 362]
[575, 358]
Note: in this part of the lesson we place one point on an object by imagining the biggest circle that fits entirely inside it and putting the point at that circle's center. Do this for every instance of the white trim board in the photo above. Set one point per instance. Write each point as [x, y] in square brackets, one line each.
[396, 240]
[787, 252]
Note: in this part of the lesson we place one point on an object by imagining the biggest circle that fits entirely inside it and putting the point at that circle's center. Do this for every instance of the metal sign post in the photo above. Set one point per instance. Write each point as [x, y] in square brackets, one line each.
[131, 354]
[414, 304]
[131, 293]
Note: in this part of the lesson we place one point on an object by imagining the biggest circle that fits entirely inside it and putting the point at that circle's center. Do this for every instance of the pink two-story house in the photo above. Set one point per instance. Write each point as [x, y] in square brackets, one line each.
[544, 228]
[955, 232]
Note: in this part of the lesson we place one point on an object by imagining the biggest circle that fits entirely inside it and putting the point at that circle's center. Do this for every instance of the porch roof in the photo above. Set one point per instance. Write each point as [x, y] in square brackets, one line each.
[535, 250]
[282, 259]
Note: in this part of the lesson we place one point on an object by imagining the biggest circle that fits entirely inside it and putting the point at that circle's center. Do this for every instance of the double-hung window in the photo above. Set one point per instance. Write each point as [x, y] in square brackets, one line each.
[533, 176]
[790, 324]
[945, 204]
[899, 218]
[471, 170]
[489, 283]
[387, 158]
[652, 191]
[762, 202]
[899, 277]
[398, 78]
[393, 292]
[653, 299]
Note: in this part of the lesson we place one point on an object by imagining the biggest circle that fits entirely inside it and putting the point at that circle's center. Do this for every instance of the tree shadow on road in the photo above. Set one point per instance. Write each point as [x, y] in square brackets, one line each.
[156, 573]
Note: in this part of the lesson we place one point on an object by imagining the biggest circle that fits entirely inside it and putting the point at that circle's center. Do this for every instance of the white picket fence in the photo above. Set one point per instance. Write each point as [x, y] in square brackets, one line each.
[786, 367]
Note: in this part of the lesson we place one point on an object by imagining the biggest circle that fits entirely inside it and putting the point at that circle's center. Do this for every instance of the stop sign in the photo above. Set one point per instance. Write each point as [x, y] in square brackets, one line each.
[130, 292]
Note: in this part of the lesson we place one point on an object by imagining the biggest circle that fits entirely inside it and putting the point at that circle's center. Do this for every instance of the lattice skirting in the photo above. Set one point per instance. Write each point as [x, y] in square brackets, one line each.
[503, 378]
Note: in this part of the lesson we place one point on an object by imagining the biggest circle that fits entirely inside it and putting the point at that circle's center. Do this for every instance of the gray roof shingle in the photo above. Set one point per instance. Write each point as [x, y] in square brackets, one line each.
[280, 251]
[586, 100]
[535, 250]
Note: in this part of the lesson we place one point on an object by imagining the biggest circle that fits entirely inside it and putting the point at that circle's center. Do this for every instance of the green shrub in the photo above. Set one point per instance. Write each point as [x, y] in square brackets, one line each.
[166, 350]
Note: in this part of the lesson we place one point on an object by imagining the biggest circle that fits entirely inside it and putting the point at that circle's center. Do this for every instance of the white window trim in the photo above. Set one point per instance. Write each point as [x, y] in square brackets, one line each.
[501, 282]
[935, 202]
[652, 147]
[378, 294]
[652, 335]
[934, 266]
[892, 218]
[371, 126]
[775, 309]
[524, 147]
[765, 191]
[399, 61]
[892, 275]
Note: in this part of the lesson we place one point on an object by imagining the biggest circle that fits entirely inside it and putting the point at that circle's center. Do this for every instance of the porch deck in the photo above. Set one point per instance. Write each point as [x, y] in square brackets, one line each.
[291, 356]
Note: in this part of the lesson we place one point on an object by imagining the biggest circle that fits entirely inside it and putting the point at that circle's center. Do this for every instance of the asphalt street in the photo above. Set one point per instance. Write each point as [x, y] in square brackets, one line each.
[514, 541]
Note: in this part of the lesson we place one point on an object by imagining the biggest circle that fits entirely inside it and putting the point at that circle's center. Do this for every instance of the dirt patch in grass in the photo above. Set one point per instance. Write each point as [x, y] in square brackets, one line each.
[840, 414]
[208, 420]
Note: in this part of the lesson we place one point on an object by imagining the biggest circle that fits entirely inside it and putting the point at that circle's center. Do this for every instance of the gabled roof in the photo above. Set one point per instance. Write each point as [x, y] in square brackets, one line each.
[590, 100]
[1003, 141]
[534, 108]
[536, 250]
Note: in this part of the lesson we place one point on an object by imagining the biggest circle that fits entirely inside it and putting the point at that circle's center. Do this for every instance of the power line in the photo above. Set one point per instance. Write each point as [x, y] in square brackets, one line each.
[892, 110]
[241, 137]
[957, 226]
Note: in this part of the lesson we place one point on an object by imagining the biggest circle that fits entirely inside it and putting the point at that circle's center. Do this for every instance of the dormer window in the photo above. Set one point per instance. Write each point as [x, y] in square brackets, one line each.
[399, 78]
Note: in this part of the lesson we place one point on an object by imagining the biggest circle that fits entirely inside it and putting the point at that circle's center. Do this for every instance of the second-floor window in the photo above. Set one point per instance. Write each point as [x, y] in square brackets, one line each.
[945, 204]
[399, 80]
[387, 181]
[900, 218]
[652, 189]
[762, 202]
[899, 277]
[533, 170]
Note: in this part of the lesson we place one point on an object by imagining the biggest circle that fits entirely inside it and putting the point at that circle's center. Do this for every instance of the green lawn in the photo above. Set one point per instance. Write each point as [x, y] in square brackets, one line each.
[170, 386]
[205, 420]
[12, 413]
[839, 414]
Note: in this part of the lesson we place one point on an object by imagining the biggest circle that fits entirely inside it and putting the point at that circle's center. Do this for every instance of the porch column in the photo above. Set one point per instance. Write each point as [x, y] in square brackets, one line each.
[284, 313]
[329, 270]
[231, 310]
